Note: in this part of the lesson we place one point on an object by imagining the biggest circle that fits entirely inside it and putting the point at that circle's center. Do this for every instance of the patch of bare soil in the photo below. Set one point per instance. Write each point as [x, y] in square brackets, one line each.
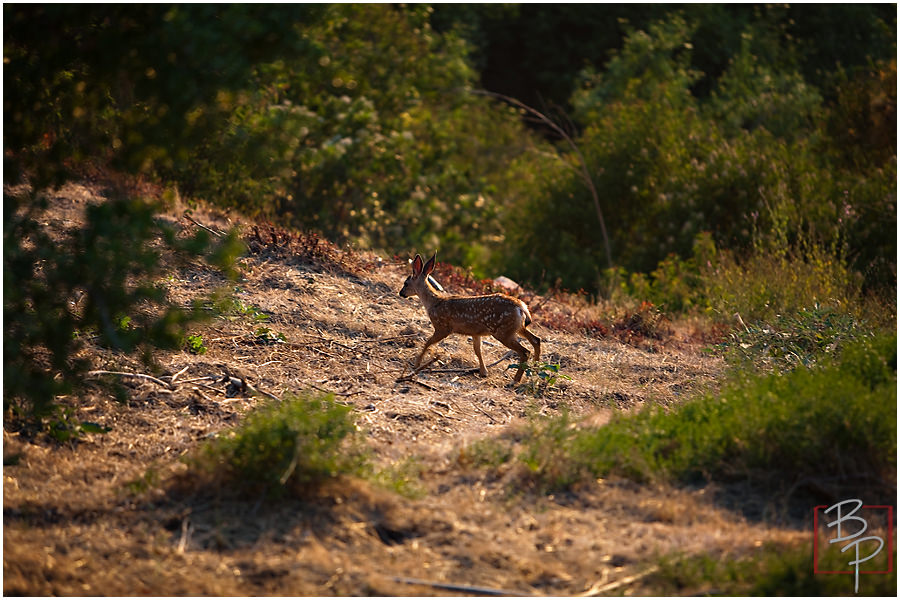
[103, 516]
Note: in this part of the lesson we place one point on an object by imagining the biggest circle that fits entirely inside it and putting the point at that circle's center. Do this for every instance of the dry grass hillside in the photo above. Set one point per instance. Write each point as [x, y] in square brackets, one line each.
[113, 515]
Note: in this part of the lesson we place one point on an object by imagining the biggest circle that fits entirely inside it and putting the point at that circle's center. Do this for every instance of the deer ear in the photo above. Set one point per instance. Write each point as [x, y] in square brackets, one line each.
[429, 266]
[417, 265]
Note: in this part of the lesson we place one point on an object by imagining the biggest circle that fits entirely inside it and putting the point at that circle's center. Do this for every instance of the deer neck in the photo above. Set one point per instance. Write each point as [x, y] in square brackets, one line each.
[428, 295]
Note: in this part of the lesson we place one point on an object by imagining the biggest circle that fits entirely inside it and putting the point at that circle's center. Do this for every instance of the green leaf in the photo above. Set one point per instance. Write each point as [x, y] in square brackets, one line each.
[88, 427]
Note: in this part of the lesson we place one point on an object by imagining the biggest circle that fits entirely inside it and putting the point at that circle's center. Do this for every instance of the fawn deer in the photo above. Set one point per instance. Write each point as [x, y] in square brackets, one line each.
[499, 315]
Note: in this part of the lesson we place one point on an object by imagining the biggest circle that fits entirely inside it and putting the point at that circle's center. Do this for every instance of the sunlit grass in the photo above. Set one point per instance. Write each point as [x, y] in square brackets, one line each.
[772, 571]
[834, 421]
[285, 445]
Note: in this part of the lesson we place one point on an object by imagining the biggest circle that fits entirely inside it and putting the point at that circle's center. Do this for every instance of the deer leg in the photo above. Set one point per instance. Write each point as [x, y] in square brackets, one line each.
[434, 339]
[534, 341]
[512, 343]
[476, 344]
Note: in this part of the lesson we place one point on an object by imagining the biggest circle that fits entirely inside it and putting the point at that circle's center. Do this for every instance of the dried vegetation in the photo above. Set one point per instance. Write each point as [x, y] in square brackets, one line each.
[119, 514]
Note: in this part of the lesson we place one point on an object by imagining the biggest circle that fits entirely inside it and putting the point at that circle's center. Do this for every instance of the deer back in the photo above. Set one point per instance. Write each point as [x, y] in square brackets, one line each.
[479, 315]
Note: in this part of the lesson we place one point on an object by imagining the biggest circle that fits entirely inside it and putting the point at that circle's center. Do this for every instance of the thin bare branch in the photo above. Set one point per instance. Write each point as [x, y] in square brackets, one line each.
[598, 589]
[458, 587]
[181, 372]
[202, 226]
[134, 375]
[585, 173]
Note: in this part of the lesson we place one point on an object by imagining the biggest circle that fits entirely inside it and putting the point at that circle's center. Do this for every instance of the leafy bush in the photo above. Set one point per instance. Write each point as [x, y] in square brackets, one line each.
[540, 378]
[509, 41]
[792, 340]
[371, 136]
[485, 453]
[135, 86]
[195, 345]
[832, 423]
[284, 446]
[403, 477]
[770, 571]
[764, 285]
[99, 279]
[676, 285]
[762, 87]
[750, 162]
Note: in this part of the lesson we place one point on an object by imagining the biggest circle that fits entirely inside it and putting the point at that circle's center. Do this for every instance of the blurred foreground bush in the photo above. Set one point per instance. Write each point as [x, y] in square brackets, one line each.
[100, 281]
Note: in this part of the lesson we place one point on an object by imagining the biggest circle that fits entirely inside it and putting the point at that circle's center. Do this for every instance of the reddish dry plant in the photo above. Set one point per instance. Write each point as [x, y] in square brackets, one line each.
[71, 512]
[462, 281]
[646, 323]
[308, 247]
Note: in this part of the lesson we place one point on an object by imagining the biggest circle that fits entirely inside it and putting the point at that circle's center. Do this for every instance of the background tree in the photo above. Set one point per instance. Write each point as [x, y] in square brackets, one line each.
[358, 121]
[112, 85]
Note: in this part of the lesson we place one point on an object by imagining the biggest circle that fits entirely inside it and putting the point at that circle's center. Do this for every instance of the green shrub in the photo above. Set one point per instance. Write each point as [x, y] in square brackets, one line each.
[770, 571]
[539, 378]
[763, 285]
[371, 136]
[100, 278]
[485, 453]
[792, 340]
[677, 285]
[194, 344]
[837, 421]
[771, 287]
[404, 477]
[751, 162]
[284, 446]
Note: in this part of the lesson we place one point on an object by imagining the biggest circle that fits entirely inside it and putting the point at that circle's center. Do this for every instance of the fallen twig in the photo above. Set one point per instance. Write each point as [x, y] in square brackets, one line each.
[175, 376]
[207, 378]
[457, 587]
[440, 414]
[456, 370]
[202, 226]
[412, 379]
[209, 387]
[506, 356]
[270, 362]
[256, 390]
[202, 395]
[422, 367]
[315, 387]
[485, 413]
[387, 339]
[320, 351]
[598, 589]
[135, 375]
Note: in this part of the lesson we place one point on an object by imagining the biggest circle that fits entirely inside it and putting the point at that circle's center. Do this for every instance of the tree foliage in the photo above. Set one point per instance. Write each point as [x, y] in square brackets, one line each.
[132, 85]
[371, 137]
[99, 281]
[760, 129]
[752, 163]
[112, 86]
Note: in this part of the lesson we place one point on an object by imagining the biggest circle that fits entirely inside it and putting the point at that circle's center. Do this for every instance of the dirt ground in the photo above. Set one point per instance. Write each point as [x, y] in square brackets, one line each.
[103, 517]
